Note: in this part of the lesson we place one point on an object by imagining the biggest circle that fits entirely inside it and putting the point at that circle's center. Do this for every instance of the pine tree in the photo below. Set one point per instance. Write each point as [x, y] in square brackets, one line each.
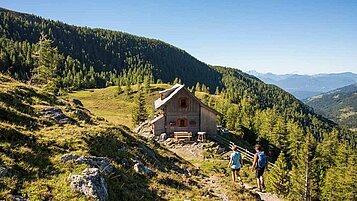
[139, 113]
[278, 178]
[44, 73]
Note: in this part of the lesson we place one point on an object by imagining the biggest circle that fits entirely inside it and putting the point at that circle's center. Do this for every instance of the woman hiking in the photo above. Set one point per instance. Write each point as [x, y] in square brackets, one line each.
[235, 163]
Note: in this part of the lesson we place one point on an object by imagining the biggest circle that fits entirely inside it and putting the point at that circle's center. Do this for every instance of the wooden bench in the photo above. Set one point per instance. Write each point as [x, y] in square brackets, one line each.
[183, 135]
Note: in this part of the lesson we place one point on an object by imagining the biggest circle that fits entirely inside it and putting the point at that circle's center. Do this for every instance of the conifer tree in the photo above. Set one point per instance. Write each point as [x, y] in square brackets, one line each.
[198, 87]
[147, 84]
[139, 113]
[340, 180]
[44, 73]
[303, 174]
[278, 178]
[127, 89]
[295, 140]
[176, 81]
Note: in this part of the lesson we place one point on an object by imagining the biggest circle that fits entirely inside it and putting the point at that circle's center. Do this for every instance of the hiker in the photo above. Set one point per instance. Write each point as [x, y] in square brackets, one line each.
[235, 162]
[260, 163]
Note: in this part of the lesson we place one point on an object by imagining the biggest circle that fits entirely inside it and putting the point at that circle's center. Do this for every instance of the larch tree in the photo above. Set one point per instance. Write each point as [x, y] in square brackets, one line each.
[139, 113]
[278, 178]
[340, 179]
[47, 57]
[303, 175]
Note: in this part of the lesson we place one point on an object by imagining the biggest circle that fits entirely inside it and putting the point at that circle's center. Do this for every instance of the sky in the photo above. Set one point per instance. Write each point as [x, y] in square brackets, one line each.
[286, 36]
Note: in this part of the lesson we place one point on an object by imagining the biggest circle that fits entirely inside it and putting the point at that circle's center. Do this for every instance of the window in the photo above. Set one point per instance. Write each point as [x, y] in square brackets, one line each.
[183, 102]
[182, 122]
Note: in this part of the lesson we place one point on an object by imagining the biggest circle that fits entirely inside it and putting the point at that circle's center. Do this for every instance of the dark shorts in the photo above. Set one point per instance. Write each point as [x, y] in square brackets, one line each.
[235, 170]
[259, 172]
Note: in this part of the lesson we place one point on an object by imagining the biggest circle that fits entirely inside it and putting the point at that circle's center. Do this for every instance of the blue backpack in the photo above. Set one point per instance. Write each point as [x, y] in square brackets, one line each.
[262, 159]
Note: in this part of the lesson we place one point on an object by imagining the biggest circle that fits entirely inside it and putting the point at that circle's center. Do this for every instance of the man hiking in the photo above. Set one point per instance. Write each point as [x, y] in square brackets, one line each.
[235, 162]
[260, 163]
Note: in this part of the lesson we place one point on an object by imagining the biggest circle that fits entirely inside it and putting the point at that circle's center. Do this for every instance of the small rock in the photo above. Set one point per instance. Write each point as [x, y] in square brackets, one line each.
[69, 157]
[123, 149]
[82, 115]
[142, 169]
[125, 163]
[220, 150]
[4, 171]
[76, 102]
[90, 183]
[18, 198]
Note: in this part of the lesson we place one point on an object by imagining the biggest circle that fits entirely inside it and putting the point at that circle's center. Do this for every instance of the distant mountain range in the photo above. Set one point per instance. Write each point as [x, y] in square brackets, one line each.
[304, 86]
[339, 105]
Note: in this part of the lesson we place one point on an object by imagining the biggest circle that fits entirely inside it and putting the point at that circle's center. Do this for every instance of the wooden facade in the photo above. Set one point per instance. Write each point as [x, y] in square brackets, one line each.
[181, 111]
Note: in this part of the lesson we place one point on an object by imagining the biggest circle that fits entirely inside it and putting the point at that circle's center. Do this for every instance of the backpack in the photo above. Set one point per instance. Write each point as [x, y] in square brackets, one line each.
[262, 159]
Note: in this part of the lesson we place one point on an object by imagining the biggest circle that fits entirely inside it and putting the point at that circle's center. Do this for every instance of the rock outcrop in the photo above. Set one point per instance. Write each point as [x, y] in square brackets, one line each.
[142, 169]
[56, 114]
[90, 183]
[102, 163]
[76, 102]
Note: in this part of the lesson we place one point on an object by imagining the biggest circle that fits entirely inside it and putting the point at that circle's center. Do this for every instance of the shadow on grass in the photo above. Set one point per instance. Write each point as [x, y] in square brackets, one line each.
[31, 158]
[173, 183]
[17, 105]
[123, 184]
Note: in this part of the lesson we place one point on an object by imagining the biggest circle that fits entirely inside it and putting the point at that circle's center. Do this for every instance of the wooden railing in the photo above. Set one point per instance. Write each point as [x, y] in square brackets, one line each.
[228, 144]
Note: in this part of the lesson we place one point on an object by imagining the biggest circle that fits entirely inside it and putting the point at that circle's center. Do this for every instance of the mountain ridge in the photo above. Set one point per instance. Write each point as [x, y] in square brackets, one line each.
[304, 86]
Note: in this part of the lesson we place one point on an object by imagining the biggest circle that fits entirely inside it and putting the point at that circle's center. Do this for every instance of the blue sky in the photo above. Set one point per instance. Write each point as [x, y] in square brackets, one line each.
[307, 37]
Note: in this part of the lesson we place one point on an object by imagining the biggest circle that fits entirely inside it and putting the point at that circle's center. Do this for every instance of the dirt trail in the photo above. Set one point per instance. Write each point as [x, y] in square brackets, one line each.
[212, 183]
[263, 196]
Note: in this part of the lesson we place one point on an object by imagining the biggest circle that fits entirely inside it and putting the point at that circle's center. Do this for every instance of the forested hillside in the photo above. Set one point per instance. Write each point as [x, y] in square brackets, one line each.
[61, 58]
[107, 52]
[340, 105]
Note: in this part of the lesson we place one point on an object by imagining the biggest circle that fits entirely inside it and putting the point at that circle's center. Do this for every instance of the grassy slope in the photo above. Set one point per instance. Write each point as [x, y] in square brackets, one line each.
[31, 146]
[114, 107]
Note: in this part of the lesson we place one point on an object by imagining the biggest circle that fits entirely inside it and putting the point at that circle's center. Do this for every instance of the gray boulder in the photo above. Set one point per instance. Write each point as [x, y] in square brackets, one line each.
[56, 114]
[142, 169]
[5, 171]
[90, 183]
[103, 163]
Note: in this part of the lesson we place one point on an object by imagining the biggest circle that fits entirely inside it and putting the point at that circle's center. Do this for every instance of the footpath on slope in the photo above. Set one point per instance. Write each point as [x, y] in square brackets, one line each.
[213, 183]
